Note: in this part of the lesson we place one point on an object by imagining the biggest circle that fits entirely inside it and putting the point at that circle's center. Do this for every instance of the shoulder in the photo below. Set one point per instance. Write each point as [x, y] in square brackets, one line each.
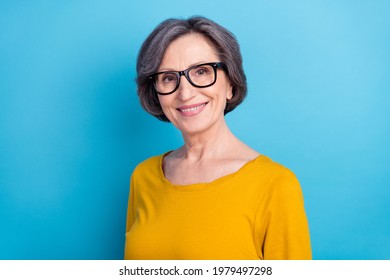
[149, 166]
[266, 166]
[276, 176]
[147, 163]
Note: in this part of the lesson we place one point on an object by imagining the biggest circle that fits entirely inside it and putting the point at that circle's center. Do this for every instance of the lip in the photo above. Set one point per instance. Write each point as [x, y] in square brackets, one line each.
[193, 109]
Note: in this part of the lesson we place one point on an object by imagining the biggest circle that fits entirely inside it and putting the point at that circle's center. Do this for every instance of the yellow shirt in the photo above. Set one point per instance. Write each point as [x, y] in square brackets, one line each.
[254, 213]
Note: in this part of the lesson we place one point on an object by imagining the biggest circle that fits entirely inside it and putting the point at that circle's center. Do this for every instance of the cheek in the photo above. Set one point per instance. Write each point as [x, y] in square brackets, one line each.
[227, 88]
[227, 92]
[163, 101]
[165, 104]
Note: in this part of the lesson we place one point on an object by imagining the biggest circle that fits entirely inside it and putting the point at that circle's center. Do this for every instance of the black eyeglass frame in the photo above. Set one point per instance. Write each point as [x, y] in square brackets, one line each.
[215, 65]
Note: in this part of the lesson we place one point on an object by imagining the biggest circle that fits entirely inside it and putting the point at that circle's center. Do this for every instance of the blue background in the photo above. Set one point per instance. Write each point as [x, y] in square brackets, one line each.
[71, 128]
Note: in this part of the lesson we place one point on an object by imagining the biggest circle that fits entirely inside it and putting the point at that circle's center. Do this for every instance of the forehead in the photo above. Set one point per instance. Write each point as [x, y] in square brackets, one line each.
[188, 50]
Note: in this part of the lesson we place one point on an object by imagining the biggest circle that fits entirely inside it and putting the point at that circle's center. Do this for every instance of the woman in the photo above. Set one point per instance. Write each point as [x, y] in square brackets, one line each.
[214, 197]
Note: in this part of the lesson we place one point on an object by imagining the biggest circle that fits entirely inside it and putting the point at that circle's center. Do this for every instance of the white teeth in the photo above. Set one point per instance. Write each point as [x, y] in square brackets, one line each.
[193, 108]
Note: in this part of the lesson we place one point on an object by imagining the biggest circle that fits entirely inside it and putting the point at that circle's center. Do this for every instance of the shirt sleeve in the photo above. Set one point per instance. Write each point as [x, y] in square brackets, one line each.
[130, 206]
[282, 219]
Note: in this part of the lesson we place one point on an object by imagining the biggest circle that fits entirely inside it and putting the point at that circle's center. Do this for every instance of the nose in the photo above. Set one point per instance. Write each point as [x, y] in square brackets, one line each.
[185, 91]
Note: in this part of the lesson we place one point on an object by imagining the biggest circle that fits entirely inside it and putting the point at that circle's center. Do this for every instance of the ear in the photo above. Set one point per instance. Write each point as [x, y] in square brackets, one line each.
[230, 93]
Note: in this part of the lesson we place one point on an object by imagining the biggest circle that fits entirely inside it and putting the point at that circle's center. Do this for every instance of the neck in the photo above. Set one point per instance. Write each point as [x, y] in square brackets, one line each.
[214, 143]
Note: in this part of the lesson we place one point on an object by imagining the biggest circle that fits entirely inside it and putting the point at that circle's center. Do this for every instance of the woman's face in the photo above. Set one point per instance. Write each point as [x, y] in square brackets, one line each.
[194, 110]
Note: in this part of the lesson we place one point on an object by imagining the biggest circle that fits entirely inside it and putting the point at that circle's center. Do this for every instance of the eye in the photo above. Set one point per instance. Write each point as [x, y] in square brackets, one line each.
[200, 71]
[168, 78]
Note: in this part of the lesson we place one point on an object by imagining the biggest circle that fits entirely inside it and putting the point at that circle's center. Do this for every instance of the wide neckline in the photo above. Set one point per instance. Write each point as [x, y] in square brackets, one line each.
[205, 185]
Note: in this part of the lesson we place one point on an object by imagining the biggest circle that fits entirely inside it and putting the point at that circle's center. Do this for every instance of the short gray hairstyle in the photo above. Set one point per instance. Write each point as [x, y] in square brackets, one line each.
[155, 45]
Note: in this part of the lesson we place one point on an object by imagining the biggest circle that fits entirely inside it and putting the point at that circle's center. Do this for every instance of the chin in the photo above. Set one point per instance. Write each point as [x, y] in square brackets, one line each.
[194, 128]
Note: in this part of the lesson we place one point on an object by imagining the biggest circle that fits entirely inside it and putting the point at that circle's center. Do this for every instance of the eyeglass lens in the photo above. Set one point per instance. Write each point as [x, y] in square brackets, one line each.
[200, 76]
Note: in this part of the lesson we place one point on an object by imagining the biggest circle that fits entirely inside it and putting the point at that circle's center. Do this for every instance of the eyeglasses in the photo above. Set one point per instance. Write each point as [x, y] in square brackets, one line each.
[200, 76]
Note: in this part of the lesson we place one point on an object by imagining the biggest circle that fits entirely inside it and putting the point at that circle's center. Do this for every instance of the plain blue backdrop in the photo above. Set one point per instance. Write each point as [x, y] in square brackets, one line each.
[72, 130]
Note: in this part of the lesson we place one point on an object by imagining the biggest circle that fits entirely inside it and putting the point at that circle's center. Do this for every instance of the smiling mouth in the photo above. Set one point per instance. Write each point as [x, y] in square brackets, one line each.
[191, 108]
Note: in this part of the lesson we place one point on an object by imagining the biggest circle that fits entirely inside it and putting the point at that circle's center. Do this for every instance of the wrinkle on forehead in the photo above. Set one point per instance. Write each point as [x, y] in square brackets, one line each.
[188, 50]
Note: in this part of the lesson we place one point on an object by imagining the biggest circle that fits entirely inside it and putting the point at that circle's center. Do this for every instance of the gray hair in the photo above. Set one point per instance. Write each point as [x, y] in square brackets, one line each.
[155, 45]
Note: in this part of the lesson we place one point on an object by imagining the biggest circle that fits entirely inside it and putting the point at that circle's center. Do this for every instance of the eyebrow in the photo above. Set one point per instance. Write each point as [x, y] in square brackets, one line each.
[173, 70]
